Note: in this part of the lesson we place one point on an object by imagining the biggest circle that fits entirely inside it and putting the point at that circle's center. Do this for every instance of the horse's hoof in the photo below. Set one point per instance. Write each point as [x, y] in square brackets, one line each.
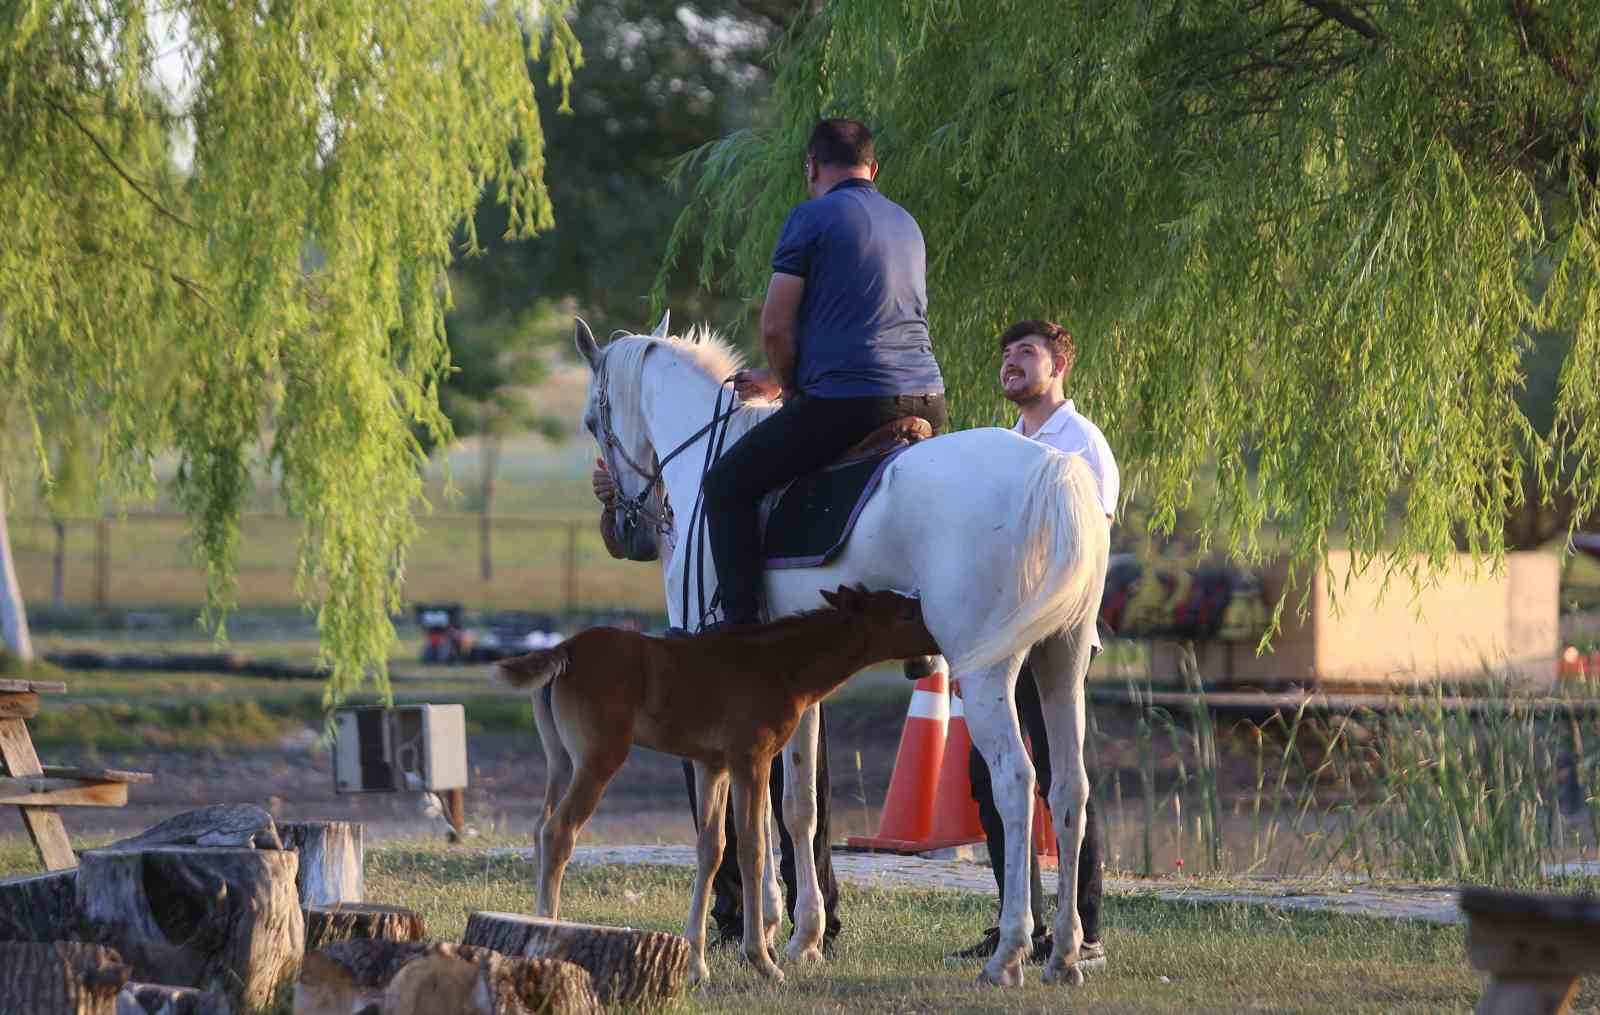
[771, 972]
[805, 954]
[1004, 976]
[1061, 972]
[699, 973]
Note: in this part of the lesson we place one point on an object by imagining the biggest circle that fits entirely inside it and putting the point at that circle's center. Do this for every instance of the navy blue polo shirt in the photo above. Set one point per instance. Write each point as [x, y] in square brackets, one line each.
[863, 327]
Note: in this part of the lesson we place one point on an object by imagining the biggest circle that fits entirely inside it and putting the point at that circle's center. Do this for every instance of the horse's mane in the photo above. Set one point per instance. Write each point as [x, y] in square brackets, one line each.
[702, 346]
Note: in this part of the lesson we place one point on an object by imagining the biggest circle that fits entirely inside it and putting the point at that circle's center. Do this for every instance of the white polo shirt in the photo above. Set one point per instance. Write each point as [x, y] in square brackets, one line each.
[1067, 430]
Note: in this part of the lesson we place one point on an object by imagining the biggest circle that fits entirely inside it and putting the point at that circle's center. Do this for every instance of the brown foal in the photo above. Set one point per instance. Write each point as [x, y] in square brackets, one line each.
[728, 701]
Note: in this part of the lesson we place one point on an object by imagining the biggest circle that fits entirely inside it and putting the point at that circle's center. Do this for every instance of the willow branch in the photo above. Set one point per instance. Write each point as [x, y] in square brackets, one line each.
[114, 164]
[1346, 17]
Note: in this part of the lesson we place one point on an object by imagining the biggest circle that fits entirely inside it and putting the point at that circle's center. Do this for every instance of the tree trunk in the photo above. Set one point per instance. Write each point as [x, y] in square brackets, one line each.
[58, 566]
[39, 907]
[218, 825]
[411, 978]
[630, 967]
[226, 920]
[59, 978]
[332, 861]
[13, 614]
[491, 463]
[328, 924]
[155, 999]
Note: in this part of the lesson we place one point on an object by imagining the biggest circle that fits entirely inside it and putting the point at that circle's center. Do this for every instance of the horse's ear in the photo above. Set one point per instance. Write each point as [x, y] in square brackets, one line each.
[588, 348]
[661, 329]
[832, 598]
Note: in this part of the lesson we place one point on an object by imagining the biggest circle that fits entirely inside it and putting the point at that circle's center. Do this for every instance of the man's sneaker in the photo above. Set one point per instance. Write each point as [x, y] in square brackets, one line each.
[982, 950]
[1092, 955]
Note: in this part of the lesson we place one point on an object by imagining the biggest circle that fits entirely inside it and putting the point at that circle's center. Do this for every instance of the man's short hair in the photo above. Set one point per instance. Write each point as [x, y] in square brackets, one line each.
[841, 142]
[1056, 338]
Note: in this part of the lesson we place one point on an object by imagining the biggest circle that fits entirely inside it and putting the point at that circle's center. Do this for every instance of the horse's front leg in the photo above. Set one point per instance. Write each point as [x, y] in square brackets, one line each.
[800, 818]
[988, 697]
[711, 797]
[1060, 667]
[750, 789]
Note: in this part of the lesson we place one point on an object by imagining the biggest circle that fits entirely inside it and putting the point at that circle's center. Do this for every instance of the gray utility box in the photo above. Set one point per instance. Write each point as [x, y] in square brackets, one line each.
[405, 748]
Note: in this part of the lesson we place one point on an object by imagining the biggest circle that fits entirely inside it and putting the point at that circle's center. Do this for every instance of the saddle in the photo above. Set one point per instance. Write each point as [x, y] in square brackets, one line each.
[807, 522]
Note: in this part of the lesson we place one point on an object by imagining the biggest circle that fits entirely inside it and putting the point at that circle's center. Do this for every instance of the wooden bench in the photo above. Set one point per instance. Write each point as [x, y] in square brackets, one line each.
[37, 790]
[1534, 948]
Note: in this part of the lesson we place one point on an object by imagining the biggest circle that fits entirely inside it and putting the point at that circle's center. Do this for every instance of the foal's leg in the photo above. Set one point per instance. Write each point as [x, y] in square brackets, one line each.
[988, 698]
[749, 815]
[1060, 666]
[800, 817]
[560, 833]
[711, 796]
[557, 762]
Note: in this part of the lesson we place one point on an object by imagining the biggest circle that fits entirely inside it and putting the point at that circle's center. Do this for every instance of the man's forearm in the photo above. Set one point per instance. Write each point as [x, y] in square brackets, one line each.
[608, 533]
[779, 347]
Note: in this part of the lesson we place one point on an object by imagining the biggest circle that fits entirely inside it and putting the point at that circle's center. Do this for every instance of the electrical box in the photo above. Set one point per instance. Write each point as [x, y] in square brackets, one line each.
[405, 748]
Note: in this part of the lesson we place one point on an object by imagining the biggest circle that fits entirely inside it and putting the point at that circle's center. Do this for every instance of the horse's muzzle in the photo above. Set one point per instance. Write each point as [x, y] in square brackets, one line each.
[639, 542]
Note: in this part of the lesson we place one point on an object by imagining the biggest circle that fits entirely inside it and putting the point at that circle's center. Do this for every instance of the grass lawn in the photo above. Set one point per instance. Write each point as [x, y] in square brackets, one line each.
[1214, 958]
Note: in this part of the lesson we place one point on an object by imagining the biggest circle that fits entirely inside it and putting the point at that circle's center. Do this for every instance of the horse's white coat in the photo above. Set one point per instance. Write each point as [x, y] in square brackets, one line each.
[1002, 537]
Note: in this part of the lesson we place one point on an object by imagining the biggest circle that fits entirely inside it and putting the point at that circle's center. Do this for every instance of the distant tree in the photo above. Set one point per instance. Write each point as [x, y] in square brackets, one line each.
[232, 226]
[660, 77]
[1296, 238]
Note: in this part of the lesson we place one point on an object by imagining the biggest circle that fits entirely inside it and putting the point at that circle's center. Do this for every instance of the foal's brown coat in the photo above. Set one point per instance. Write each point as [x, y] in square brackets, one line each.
[728, 701]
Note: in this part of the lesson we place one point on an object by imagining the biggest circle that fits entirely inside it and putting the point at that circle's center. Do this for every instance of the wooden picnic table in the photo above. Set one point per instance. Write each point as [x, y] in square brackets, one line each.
[37, 790]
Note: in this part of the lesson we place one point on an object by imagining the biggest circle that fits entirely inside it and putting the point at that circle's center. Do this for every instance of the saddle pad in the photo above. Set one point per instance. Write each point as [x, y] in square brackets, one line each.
[808, 521]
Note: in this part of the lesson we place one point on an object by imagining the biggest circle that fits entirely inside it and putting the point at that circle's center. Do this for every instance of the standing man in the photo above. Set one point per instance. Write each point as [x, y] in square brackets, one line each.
[1036, 358]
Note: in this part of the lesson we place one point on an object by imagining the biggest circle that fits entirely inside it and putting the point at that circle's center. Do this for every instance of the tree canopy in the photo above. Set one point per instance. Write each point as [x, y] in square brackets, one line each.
[1305, 245]
[229, 227]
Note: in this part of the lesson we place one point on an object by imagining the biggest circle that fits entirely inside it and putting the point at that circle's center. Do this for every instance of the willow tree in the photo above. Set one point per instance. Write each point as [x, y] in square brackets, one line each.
[1299, 241]
[227, 229]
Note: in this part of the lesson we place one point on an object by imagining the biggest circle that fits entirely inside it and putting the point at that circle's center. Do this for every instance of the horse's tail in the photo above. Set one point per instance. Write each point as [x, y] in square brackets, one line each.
[534, 670]
[1063, 533]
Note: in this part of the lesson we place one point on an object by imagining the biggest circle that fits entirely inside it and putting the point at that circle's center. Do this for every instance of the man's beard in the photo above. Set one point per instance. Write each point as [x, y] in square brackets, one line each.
[1025, 397]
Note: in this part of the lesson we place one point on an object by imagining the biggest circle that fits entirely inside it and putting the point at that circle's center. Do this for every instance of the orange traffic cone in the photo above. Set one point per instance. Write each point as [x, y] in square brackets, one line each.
[908, 809]
[955, 813]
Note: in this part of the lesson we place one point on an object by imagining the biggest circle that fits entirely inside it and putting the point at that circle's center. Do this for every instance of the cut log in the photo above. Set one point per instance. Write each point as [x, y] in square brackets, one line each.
[224, 920]
[370, 921]
[155, 999]
[39, 907]
[411, 977]
[632, 967]
[332, 860]
[59, 978]
[217, 825]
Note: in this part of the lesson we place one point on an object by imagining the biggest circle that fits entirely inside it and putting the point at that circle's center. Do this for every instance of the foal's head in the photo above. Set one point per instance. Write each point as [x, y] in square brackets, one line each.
[893, 620]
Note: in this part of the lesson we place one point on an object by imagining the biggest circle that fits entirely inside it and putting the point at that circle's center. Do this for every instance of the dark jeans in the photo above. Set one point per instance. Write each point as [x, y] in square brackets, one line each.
[727, 906]
[801, 437]
[1031, 715]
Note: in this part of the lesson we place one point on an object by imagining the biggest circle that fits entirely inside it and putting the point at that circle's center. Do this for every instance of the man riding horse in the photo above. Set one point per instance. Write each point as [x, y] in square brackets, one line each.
[845, 332]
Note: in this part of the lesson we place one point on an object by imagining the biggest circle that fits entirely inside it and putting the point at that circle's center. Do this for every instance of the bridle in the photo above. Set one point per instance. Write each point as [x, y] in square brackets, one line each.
[637, 507]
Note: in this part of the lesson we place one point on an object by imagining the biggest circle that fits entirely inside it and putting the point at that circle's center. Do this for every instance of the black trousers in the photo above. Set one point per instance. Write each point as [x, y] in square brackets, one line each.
[727, 905]
[1031, 715]
[801, 437]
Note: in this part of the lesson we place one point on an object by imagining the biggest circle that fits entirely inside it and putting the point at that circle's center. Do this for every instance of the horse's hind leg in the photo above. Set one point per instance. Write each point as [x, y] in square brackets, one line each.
[800, 818]
[750, 788]
[711, 796]
[560, 832]
[557, 762]
[1060, 666]
[988, 696]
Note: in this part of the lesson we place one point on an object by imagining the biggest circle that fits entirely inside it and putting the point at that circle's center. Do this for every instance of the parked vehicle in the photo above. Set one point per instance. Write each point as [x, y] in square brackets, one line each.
[511, 633]
[443, 638]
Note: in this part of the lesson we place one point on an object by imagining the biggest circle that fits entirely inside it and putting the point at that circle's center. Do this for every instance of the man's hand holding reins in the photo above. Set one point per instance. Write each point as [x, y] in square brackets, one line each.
[605, 487]
[750, 385]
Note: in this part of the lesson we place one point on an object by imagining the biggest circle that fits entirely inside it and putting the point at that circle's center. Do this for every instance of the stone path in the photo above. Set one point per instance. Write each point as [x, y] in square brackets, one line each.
[1394, 902]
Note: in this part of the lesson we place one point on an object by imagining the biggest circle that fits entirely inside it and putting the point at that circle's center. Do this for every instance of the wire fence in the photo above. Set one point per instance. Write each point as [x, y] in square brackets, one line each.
[495, 562]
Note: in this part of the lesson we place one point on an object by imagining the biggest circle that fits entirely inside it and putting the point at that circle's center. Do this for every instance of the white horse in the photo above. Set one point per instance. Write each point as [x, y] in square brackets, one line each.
[1003, 538]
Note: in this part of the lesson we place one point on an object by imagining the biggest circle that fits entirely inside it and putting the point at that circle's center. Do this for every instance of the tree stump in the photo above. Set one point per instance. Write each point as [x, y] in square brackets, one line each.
[39, 907]
[59, 978]
[407, 977]
[1534, 948]
[155, 999]
[332, 860]
[363, 920]
[225, 920]
[632, 967]
[217, 825]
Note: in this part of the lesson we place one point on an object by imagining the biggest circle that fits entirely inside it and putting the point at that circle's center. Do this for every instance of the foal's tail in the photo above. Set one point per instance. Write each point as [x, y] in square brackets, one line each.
[535, 669]
[1063, 535]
